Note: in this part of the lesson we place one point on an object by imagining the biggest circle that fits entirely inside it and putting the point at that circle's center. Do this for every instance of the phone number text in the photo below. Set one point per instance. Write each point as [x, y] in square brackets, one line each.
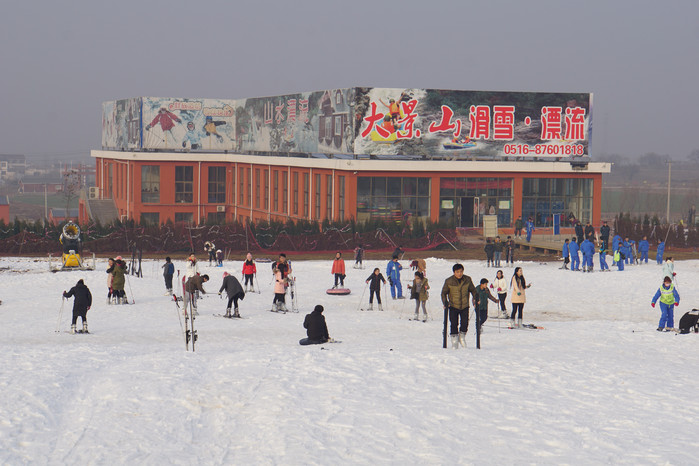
[544, 149]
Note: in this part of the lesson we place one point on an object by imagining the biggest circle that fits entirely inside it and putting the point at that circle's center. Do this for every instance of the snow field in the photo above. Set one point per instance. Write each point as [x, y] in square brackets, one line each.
[599, 385]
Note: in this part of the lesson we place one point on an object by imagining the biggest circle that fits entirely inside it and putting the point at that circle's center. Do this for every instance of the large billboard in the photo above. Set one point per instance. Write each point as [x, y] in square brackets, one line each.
[431, 123]
[374, 122]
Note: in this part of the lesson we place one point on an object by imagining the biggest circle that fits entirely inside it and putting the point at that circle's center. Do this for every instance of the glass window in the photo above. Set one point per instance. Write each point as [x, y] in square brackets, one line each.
[394, 199]
[150, 218]
[257, 188]
[184, 184]
[341, 196]
[266, 190]
[329, 197]
[275, 192]
[285, 192]
[568, 199]
[186, 217]
[378, 186]
[305, 194]
[150, 184]
[241, 182]
[217, 185]
[316, 207]
[423, 186]
[295, 192]
[494, 197]
[393, 187]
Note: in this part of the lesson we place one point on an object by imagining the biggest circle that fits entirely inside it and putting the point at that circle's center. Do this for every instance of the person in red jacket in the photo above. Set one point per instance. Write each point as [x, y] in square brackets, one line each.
[249, 270]
[339, 270]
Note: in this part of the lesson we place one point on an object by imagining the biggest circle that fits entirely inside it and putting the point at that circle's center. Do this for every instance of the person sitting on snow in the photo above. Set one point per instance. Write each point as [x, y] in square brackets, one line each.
[316, 328]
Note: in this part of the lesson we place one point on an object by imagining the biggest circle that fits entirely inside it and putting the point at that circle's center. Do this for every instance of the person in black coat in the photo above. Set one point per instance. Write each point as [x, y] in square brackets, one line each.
[604, 234]
[374, 281]
[316, 329]
[579, 232]
[234, 291]
[82, 303]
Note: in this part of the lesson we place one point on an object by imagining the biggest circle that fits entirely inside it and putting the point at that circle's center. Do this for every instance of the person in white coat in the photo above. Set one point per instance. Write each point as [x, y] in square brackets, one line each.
[500, 286]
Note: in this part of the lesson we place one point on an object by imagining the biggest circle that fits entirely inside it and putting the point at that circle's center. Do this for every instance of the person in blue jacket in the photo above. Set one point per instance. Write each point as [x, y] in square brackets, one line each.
[669, 298]
[603, 257]
[588, 251]
[616, 243]
[625, 250]
[566, 254]
[530, 228]
[631, 250]
[660, 252]
[393, 274]
[574, 257]
[643, 248]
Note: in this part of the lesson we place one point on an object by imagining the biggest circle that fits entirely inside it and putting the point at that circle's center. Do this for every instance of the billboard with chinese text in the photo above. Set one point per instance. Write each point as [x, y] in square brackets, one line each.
[415, 123]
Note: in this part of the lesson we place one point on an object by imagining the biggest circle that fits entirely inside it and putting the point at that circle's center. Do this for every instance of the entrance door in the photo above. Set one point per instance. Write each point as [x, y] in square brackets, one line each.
[468, 212]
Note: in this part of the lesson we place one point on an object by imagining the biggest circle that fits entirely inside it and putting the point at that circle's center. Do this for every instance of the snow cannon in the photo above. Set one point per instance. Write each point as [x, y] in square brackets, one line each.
[72, 249]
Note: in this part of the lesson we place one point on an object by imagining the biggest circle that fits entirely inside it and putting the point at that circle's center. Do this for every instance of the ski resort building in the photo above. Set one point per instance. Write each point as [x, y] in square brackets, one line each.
[356, 153]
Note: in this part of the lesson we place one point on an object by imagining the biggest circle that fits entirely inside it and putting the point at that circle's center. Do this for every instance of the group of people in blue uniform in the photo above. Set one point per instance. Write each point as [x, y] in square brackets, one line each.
[624, 252]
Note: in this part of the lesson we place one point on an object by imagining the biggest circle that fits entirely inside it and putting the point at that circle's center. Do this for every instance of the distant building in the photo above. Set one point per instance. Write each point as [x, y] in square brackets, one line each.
[5, 209]
[58, 215]
[12, 166]
[38, 184]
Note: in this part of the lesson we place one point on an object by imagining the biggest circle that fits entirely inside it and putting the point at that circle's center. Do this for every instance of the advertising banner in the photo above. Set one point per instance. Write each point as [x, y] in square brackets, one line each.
[431, 123]
[308, 122]
[121, 124]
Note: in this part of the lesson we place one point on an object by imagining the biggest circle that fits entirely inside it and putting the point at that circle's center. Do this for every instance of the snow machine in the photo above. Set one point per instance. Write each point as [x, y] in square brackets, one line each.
[72, 249]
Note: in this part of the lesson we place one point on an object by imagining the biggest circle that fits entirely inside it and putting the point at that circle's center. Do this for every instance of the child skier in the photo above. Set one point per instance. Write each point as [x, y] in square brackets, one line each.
[234, 292]
[419, 292]
[483, 294]
[358, 257]
[249, 271]
[110, 277]
[574, 257]
[338, 270]
[603, 257]
[280, 283]
[588, 251]
[669, 298]
[219, 258]
[168, 273]
[82, 303]
[669, 269]
[565, 253]
[529, 226]
[500, 285]
[643, 248]
[660, 252]
[375, 280]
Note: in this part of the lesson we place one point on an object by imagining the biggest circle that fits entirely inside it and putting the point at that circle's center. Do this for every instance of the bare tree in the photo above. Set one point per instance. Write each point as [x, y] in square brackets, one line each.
[71, 186]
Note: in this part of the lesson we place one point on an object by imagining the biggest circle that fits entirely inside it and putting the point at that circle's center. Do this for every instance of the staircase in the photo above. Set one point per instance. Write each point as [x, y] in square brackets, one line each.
[102, 210]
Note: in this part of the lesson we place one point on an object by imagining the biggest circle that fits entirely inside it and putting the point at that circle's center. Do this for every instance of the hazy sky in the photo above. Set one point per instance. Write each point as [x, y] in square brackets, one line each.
[60, 60]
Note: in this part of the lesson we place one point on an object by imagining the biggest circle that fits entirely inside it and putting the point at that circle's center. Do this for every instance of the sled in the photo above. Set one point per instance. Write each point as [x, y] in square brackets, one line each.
[338, 291]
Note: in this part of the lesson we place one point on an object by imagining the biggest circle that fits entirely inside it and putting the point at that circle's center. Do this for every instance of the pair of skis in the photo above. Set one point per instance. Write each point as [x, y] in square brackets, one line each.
[190, 334]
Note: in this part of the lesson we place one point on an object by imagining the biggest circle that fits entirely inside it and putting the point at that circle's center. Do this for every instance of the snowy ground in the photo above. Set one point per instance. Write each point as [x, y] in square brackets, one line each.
[599, 385]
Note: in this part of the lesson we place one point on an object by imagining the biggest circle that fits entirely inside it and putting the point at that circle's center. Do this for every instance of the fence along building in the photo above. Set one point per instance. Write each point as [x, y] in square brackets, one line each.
[362, 153]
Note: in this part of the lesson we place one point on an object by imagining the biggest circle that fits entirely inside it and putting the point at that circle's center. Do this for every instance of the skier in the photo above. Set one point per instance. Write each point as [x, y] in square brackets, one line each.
[484, 295]
[234, 292]
[210, 249]
[283, 265]
[618, 260]
[616, 244]
[489, 250]
[419, 292]
[519, 286]
[280, 284]
[219, 258]
[500, 285]
[118, 281]
[191, 270]
[574, 256]
[375, 280]
[316, 328]
[249, 270]
[210, 127]
[393, 273]
[530, 228]
[338, 270]
[588, 251]
[566, 254]
[603, 257]
[82, 304]
[168, 273]
[167, 121]
[659, 253]
[669, 299]
[192, 136]
[510, 251]
[643, 248]
[194, 285]
[358, 257]
[110, 277]
[455, 298]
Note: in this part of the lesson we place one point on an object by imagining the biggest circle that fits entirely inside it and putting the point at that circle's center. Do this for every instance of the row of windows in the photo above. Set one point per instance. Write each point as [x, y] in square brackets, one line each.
[394, 199]
[184, 188]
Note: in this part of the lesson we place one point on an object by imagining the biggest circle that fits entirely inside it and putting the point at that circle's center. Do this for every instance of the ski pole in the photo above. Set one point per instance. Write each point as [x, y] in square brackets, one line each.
[259, 291]
[133, 301]
[60, 314]
[362, 298]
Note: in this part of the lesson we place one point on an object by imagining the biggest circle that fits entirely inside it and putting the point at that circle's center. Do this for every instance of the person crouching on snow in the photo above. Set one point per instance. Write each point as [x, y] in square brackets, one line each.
[339, 270]
[234, 292]
[669, 298]
[82, 303]
[194, 285]
[316, 328]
